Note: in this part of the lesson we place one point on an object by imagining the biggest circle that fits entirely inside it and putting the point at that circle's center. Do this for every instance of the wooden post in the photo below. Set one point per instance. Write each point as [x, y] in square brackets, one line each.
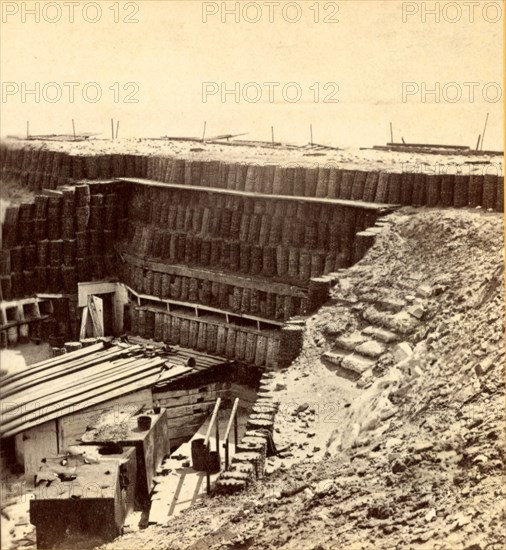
[117, 129]
[478, 142]
[27, 129]
[272, 134]
[112, 128]
[208, 473]
[207, 444]
[74, 128]
[227, 457]
[311, 133]
[484, 130]
[204, 132]
[236, 429]
[391, 133]
[218, 436]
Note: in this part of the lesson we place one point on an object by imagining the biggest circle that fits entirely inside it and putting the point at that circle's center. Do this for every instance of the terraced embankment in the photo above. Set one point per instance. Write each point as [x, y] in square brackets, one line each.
[413, 457]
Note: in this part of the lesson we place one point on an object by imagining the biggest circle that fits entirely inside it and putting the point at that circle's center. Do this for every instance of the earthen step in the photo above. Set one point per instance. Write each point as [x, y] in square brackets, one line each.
[262, 416]
[356, 364]
[243, 467]
[384, 303]
[229, 486]
[381, 334]
[235, 474]
[401, 322]
[371, 349]
[350, 342]
[264, 409]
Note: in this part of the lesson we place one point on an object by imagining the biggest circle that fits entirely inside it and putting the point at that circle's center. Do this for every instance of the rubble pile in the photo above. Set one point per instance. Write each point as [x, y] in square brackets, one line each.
[413, 454]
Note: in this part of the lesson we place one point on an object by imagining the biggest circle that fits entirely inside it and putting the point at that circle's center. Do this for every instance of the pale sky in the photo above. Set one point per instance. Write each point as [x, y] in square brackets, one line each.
[170, 52]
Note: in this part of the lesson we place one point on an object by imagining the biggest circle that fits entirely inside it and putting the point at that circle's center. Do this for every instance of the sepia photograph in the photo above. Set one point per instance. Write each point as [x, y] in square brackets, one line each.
[252, 275]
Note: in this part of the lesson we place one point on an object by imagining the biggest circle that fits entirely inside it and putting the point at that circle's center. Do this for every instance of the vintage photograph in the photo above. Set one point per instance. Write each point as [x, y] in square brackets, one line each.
[252, 275]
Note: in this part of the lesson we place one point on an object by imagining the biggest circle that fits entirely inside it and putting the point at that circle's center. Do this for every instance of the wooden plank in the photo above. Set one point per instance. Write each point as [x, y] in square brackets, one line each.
[252, 283]
[96, 308]
[138, 381]
[270, 333]
[220, 190]
[49, 363]
[44, 395]
[65, 369]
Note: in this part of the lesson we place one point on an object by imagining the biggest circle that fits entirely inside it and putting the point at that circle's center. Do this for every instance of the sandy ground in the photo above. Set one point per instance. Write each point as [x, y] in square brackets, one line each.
[16, 530]
[18, 359]
[352, 158]
[415, 457]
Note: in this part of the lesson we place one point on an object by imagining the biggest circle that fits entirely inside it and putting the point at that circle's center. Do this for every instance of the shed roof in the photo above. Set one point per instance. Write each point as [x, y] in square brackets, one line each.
[95, 374]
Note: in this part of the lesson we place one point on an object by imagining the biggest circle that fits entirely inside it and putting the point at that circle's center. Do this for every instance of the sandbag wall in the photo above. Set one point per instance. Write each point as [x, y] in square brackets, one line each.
[242, 343]
[284, 241]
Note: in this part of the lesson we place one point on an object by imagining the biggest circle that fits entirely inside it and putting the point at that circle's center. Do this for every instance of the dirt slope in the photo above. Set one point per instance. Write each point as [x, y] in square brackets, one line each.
[411, 455]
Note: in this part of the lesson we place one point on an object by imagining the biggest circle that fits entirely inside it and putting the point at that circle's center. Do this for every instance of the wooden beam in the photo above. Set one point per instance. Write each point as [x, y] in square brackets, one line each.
[219, 190]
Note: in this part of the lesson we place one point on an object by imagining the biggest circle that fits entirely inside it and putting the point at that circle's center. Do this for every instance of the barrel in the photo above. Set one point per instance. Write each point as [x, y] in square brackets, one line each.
[447, 189]
[166, 329]
[346, 184]
[433, 190]
[371, 183]
[143, 423]
[240, 345]
[475, 190]
[202, 336]
[305, 265]
[489, 199]
[394, 188]
[211, 337]
[199, 454]
[231, 341]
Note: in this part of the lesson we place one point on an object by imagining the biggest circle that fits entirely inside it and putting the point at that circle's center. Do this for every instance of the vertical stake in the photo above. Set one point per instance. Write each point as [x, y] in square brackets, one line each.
[272, 134]
[484, 130]
[478, 142]
[236, 429]
[112, 128]
[74, 128]
[311, 133]
[218, 435]
[391, 133]
[117, 129]
[204, 132]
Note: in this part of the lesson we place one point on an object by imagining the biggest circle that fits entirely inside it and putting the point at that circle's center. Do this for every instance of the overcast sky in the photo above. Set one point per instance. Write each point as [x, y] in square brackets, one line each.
[340, 68]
